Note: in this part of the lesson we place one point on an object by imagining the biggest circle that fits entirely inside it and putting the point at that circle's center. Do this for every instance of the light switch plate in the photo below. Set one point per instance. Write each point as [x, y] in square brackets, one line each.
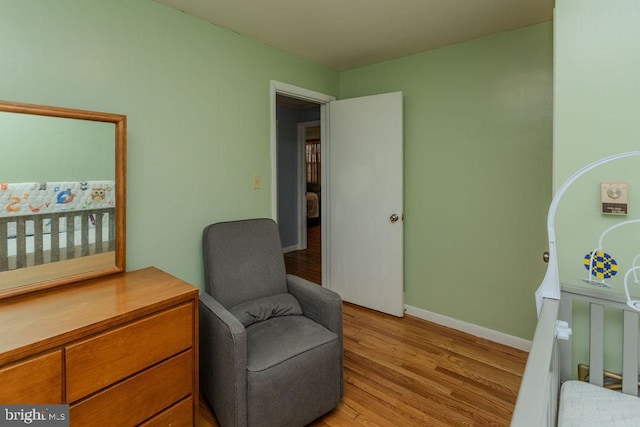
[614, 198]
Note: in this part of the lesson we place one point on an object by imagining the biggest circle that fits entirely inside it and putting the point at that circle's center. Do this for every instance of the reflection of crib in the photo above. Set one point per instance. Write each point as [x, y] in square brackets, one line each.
[46, 222]
[29, 240]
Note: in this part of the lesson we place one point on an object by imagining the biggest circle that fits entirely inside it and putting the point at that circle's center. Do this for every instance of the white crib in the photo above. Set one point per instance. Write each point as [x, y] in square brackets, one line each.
[40, 239]
[549, 397]
[45, 222]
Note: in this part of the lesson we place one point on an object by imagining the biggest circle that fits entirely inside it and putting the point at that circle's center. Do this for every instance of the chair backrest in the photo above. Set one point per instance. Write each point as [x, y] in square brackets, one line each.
[243, 261]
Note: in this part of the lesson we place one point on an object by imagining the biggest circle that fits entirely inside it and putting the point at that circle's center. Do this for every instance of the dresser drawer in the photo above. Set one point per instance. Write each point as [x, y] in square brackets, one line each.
[107, 358]
[35, 381]
[138, 398]
[179, 415]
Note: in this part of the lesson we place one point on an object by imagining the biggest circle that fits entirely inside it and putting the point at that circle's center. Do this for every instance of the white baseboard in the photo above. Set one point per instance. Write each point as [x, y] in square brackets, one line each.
[289, 249]
[470, 328]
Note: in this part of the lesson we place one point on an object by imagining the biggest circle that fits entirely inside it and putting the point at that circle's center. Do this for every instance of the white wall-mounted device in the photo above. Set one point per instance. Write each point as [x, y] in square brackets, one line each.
[614, 198]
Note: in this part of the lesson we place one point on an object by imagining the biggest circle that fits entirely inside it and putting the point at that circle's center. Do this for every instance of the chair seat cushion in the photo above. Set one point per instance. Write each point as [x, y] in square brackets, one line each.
[261, 309]
[281, 338]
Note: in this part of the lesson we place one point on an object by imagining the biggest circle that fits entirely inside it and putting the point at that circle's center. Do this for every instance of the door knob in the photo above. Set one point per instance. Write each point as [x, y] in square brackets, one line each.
[393, 218]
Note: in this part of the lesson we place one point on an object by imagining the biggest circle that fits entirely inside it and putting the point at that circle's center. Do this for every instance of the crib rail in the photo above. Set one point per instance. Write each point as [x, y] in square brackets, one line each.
[57, 249]
[550, 361]
[538, 396]
[598, 301]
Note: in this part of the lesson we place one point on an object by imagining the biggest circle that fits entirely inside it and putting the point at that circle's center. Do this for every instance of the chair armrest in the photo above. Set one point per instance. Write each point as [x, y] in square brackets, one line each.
[321, 305]
[223, 361]
[318, 303]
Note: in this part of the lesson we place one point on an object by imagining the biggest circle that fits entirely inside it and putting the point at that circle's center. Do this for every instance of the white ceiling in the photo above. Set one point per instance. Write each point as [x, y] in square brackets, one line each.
[345, 34]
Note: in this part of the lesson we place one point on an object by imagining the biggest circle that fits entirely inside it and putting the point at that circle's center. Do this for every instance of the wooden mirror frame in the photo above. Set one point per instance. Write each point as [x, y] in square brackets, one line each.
[120, 122]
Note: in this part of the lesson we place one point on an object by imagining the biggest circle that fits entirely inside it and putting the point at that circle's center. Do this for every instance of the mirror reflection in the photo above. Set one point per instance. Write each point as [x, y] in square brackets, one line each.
[59, 196]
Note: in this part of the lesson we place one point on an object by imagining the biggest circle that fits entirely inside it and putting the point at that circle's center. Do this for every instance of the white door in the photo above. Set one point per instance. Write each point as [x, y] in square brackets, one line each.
[365, 201]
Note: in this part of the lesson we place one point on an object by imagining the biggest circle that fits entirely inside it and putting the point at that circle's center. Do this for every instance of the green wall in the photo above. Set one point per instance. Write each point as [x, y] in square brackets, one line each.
[197, 99]
[50, 149]
[477, 139]
[477, 126]
[596, 114]
[596, 82]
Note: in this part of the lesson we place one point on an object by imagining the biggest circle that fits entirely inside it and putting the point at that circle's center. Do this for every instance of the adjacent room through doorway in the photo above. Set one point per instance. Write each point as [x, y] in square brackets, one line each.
[299, 185]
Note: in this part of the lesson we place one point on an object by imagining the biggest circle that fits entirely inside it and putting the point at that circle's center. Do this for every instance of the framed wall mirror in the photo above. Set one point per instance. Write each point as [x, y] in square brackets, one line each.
[62, 196]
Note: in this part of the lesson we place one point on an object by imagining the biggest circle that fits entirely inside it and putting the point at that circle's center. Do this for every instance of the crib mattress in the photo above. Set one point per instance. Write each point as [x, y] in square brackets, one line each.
[583, 404]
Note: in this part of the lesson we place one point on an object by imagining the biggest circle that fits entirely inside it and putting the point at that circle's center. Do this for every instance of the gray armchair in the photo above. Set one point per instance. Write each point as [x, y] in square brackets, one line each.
[271, 347]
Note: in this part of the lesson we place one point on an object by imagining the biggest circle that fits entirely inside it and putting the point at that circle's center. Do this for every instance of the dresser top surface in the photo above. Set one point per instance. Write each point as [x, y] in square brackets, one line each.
[34, 323]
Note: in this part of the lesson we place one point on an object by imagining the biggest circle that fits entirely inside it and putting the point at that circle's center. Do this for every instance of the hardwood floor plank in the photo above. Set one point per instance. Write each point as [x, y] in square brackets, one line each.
[422, 392]
[406, 408]
[307, 263]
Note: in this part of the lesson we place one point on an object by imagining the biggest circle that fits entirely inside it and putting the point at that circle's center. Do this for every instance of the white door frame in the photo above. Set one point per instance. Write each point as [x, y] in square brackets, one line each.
[280, 88]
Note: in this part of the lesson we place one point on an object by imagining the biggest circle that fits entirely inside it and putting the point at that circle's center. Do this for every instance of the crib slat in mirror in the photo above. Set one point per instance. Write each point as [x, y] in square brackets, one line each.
[71, 243]
[4, 246]
[38, 234]
[21, 245]
[55, 238]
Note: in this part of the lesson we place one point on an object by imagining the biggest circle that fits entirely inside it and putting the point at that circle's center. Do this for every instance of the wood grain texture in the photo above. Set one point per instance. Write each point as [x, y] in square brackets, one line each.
[36, 323]
[33, 381]
[120, 331]
[106, 358]
[14, 280]
[179, 415]
[307, 263]
[139, 397]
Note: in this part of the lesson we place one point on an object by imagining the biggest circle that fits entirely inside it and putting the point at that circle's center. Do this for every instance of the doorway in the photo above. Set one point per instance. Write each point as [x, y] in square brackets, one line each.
[299, 188]
[300, 94]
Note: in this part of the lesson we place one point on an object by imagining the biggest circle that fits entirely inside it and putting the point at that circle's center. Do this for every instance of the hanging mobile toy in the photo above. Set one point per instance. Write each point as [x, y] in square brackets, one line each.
[600, 265]
[550, 286]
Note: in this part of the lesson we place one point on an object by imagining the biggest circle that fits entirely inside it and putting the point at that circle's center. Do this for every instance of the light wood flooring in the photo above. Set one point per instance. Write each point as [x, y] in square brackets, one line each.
[410, 372]
[307, 263]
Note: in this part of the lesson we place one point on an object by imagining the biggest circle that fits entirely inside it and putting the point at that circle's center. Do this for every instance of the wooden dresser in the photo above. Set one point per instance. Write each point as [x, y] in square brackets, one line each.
[120, 350]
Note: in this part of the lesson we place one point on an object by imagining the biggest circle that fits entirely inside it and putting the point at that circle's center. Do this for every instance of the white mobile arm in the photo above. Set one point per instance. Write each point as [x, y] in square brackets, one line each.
[550, 287]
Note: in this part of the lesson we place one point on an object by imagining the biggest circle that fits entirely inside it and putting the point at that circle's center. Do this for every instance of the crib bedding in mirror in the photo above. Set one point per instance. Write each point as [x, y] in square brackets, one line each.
[53, 221]
[62, 194]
